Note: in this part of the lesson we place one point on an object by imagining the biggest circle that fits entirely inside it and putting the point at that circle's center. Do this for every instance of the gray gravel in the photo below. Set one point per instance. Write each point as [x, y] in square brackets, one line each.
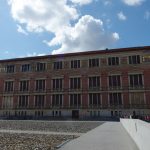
[56, 126]
[40, 141]
[31, 142]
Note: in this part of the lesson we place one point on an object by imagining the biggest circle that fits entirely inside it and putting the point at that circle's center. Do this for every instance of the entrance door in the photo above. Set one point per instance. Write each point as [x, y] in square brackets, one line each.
[75, 114]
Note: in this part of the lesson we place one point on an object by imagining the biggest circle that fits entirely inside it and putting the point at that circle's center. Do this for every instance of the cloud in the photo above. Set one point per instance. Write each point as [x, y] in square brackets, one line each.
[133, 2]
[21, 30]
[42, 15]
[107, 2]
[121, 16]
[35, 54]
[147, 15]
[61, 18]
[82, 2]
[87, 34]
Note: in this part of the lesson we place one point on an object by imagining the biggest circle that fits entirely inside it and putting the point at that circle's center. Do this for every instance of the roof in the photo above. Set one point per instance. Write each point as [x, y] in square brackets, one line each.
[106, 51]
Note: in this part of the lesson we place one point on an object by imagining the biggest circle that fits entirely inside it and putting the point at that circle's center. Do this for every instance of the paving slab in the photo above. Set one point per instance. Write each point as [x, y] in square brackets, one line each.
[109, 136]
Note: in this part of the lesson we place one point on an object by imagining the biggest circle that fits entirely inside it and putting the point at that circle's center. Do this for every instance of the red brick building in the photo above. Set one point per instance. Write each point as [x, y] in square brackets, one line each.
[85, 84]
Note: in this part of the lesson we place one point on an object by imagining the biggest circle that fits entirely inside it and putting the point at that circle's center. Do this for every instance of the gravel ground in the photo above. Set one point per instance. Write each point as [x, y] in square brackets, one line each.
[56, 126]
[25, 141]
[31, 142]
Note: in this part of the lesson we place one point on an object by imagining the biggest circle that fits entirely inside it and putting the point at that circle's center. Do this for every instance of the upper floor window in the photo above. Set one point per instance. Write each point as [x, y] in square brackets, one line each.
[9, 86]
[94, 99]
[114, 81]
[75, 99]
[94, 82]
[94, 62]
[7, 102]
[115, 99]
[10, 68]
[136, 80]
[40, 85]
[57, 100]
[57, 83]
[23, 101]
[58, 65]
[24, 85]
[40, 67]
[137, 98]
[135, 59]
[25, 67]
[112, 61]
[75, 63]
[75, 83]
[39, 100]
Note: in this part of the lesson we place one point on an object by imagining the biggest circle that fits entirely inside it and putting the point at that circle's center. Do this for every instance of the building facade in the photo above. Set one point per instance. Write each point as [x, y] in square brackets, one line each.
[78, 85]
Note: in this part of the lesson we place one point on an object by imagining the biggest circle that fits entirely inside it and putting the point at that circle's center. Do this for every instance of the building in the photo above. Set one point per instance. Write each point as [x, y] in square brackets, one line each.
[79, 85]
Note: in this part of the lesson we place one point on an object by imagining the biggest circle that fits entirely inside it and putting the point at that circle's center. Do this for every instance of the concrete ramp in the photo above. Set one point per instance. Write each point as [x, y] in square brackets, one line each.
[109, 136]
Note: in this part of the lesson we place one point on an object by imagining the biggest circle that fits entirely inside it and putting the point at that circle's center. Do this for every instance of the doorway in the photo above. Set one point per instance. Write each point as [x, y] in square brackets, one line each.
[75, 114]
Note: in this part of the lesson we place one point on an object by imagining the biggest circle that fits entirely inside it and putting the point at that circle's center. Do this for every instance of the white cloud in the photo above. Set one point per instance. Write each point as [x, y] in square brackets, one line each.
[82, 2]
[107, 2]
[147, 15]
[87, 34]
[21, 30]
[35, 54]
[121, 16]
[55, 17]
[133, 2]
[42, 15]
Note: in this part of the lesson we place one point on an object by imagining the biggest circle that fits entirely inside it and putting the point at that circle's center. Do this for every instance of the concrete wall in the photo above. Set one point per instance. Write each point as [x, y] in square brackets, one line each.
[139, 131]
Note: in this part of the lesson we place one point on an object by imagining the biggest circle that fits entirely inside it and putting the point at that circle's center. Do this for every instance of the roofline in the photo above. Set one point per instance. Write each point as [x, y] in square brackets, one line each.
[106, 51]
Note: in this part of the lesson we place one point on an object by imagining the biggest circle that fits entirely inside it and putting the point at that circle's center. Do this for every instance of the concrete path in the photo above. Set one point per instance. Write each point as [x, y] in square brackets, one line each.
[109, 136]
[40, 132]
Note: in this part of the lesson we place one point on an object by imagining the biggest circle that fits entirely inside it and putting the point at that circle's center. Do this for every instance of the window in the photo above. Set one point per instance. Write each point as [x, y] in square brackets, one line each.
[25, 67]
[57, 84]
[75, 63]
[94, 62]
[112, 61]
[8, 102]
[58, 65]
[23, 101]
[137, 98]
[94, 99]
[10, 68]
[114, 81]
[94, 82]
[135, 59]
[57, 100]
[38, 113]
[9, 86]
[136, 80]
[40, 67]
[40, 85]
[115, 99]
[39, 100]
[75, 83]
[24, 85]
[75, 99]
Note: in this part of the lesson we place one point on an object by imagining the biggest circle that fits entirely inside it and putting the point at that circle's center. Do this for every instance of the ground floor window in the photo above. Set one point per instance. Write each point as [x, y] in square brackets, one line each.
[94, 113]
[56, 113]
[38, 113]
